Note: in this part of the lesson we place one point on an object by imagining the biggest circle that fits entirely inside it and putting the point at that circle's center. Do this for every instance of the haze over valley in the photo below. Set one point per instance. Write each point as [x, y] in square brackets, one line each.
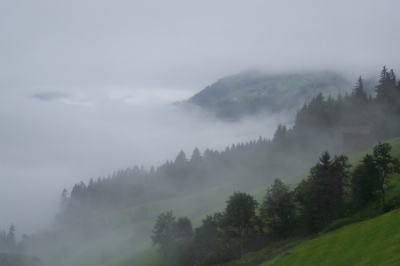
[96, 91]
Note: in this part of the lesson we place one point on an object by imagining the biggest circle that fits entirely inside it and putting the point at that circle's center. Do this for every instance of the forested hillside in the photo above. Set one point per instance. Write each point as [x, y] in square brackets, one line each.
[318, 127]
[252, 92]
[327, 199]
[86, 209]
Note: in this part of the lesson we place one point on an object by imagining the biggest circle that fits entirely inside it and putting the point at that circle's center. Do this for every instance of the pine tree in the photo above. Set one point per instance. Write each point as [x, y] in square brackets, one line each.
[280, 135]
[364, 181]
[11, 243]
[322, 195]
[386, 90]
[359, 93]
[196, 157]
[63, 201]
[278, 209]
[383, 89]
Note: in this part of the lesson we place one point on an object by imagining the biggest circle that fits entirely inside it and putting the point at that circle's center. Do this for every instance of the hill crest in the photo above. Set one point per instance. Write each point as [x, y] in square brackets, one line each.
[251, 92]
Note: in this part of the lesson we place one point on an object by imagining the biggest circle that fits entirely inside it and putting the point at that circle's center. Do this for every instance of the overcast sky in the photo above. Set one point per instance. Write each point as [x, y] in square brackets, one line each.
[86, 86]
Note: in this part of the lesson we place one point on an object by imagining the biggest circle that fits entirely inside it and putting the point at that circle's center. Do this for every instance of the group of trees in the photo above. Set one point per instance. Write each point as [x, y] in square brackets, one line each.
[7, 240]
[174, 238]
[331, 191]
[322, 195]
[259, 92]
[221, 237]
[318, 126]
[373, 174]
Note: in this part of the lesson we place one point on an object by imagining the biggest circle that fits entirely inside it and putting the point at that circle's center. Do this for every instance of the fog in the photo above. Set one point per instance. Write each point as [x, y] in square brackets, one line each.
[87, 88]
[53, 140]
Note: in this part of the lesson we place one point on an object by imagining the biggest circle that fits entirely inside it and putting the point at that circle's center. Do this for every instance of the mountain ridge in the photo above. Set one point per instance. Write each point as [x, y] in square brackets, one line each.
[251, 92]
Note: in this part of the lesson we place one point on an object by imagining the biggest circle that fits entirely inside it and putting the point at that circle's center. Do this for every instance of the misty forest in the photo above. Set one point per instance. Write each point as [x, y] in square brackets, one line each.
[246, 204]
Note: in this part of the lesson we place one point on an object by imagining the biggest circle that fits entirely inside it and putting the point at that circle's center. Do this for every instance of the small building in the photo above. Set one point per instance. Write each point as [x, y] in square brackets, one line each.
[355, 138]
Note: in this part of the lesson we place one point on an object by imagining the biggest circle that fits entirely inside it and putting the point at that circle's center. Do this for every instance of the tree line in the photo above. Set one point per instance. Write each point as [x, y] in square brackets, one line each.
[252, 164]
[332, 191]
[7, 240]
[317, 126]
[272, 93]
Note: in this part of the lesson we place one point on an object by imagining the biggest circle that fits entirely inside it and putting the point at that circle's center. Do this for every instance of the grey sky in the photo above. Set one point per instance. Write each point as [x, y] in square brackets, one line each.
[85, 85]
[188, 43]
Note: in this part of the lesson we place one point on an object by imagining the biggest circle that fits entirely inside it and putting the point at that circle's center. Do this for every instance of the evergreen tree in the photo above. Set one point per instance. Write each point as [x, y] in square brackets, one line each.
[319, 177]
[11, 243]
[364, 181]
[278, 209]
[181, 159]
[196, 157]
[322, 195]
[280, 136]
[359, 93]
[386, 90]
[339, 184]
[3, 241]
[63, 201]
[180, 167]
[381, 88]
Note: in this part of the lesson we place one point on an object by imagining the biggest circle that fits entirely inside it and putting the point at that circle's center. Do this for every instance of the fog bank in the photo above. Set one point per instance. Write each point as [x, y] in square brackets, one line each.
[86, 86]
[55, 139]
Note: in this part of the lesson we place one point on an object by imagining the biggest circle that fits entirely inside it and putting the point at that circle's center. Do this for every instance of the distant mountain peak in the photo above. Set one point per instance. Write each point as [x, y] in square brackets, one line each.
[251, 92]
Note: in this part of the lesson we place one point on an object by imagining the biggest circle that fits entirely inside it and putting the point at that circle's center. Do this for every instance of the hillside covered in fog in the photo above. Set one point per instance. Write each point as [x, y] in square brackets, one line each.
[199, 133]
[249, 93]
[117, 211]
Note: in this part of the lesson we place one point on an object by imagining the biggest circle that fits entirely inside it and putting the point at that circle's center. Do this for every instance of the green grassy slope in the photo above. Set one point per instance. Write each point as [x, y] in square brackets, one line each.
[147, 256]
[372, 242]
[116, 245]
[196, 207]
[354, 159]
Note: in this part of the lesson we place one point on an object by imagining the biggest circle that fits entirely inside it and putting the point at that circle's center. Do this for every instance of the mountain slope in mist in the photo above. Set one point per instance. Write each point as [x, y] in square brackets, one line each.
[110, 219]
[147, 256]
[251, 92]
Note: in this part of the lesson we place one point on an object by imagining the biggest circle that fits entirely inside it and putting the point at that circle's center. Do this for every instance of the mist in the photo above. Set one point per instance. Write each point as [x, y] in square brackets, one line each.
[87, 88]
[54, 140]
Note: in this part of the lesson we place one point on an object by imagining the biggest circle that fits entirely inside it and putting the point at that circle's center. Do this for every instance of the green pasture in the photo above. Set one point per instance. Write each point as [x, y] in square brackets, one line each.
[372, 242]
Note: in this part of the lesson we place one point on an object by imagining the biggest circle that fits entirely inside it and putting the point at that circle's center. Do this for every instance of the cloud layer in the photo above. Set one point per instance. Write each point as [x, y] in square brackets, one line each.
[86, 86]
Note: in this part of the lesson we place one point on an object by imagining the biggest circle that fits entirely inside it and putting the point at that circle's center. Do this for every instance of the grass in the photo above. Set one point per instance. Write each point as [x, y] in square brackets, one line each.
[268, 253]
[343, 241]
[359, 240]
[147, 256]
[115, 245]
[372, 242]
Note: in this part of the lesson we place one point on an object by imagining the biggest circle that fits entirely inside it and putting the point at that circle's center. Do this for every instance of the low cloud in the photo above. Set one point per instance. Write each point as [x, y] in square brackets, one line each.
[51, 96]
[49, 145]
[86, 87]
[64, 97]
